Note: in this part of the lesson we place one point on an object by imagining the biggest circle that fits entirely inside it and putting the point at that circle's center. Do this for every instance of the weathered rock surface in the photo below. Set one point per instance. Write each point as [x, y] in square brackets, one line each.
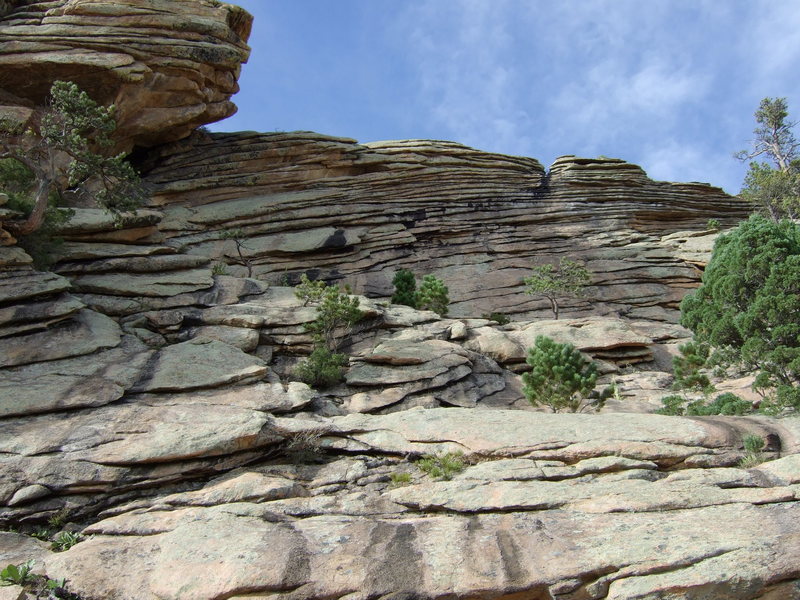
[571, 516]
[167, 66]
[477, 220]
[145, 393]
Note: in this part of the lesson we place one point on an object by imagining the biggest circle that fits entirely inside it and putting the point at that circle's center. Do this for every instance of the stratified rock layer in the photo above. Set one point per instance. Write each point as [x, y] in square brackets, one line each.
[303, 202]
[168, 66]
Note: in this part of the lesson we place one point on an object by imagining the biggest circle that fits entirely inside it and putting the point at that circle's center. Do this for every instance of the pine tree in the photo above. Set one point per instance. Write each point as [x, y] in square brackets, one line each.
[433, 295]
[405, 287]
[568, 280]
[561, 378]
[64, 151]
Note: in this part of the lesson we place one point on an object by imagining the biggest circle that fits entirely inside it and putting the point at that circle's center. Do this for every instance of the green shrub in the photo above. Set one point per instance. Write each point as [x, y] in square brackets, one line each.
[322, 368]
[748, 305]
[561, 378]
[398, 479]
[66, 150]
[673, 405]
[433, 295]
[687, 368]
[336, 314]
[753, 444]
[405, 287]
[442, 466]
[724, 404]
[713, 224]
[65, 540]
[310, 292]
[17, 574]
[569, 280]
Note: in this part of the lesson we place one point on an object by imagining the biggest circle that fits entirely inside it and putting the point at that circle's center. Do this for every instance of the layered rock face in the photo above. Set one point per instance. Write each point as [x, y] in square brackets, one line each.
[146, 392]
[339, 210]
[168, 66]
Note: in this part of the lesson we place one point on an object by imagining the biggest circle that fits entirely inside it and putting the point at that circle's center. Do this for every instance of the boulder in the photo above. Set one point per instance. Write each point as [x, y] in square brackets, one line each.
[168, 67]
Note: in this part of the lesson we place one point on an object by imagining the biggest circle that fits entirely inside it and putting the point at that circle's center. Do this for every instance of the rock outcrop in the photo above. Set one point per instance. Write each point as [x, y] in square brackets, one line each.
[479, 221]
[146, 392]
[168, 67]
[546, 506]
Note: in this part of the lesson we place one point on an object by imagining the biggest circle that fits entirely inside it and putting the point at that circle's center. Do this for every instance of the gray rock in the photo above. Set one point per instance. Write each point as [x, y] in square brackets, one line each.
[87, 332]
[202, 363]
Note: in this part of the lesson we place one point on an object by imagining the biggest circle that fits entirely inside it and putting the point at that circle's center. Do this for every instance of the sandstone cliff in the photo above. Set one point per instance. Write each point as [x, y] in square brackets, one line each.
[479, 221]
[146, 401]
[168, 66]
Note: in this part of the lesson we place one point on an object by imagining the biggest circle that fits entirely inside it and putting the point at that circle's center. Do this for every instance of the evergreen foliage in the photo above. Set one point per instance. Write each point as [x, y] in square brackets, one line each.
[568, 280]
[405, 287]
[63, 151]
[687, 368]
[322, 368]
[748, 306]
[561, 378]
[724, 404]
[310, 292]
[433, 295]
[774, 188]
[337, 312]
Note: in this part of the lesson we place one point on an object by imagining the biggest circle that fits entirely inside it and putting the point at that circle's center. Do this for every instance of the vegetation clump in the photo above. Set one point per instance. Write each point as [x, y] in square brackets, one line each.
[773, 188]
[753, 444]
[65, 540]
[65, 151]
[39, 585]
[747, 307]
[322, 368]
[569, 280]
[405, 288]
[433, 294]
[497, 317]
[442, 466]
[337, 313]
[561, 378]
[687, 368]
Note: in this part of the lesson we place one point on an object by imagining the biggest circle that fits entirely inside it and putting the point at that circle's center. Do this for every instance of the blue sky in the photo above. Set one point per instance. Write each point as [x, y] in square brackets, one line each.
[668, 84]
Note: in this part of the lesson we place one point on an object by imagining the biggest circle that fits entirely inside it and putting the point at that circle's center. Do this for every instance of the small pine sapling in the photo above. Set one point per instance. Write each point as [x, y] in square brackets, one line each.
[405, 287]
[239, 239]
[568, 280]
[561, 378]
[433, 295]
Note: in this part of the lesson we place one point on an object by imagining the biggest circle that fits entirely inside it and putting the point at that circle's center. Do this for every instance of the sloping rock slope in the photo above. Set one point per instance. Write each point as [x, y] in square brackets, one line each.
[168, 66]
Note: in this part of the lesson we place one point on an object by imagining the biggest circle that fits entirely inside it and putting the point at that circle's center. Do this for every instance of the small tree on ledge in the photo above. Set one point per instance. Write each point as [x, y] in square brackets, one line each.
[568, 280]
[62, 151]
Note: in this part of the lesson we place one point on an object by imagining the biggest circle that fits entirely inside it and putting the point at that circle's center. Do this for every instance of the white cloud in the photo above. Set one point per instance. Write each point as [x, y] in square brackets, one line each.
[670, 160]
[468, 85]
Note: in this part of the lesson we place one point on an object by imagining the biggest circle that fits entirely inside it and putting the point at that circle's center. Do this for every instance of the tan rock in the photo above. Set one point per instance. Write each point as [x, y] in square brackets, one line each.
[477, 220]
[167, 68]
